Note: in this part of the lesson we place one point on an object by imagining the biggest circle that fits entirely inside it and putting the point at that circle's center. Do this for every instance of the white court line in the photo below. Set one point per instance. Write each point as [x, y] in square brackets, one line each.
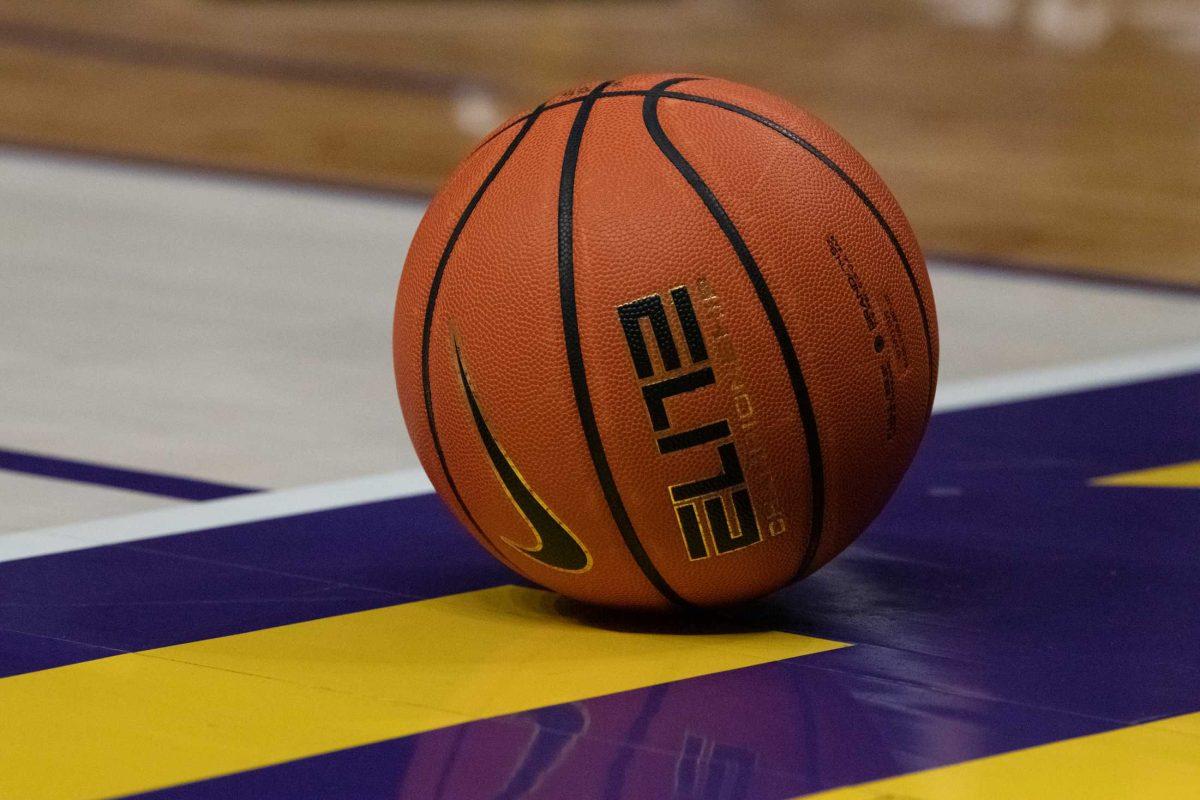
[214, 514]
[974, 393]
[1029, 384]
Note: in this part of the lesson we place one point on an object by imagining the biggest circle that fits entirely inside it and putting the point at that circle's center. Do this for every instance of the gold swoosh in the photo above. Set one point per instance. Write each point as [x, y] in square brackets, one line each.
[557, 546]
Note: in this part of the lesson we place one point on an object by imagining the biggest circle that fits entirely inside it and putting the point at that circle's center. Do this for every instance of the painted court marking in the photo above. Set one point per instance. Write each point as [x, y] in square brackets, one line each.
[215, 514]
[1154, 761]
[974, 393]
[130, 480]
[140, 721]
[1176, 476]
[1095, 374]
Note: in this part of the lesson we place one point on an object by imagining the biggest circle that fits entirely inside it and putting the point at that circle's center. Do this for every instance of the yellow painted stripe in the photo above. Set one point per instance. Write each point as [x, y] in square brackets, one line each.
[1185, 475]
[177, 714]
[1156, 761]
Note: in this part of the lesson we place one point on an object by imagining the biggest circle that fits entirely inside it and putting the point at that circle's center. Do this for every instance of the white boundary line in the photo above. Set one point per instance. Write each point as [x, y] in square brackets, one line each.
[214, 514]
[975, 393]
[1098, 374]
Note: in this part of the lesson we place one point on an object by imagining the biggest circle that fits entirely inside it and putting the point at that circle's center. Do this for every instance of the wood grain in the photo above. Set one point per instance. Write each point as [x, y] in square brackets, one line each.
[1045, 132]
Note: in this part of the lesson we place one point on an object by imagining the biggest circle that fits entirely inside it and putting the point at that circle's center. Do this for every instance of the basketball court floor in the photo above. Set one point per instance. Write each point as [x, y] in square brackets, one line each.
[224, 575]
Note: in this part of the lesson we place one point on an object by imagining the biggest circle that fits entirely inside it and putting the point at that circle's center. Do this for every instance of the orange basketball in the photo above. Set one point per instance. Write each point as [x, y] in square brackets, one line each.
[665, 341]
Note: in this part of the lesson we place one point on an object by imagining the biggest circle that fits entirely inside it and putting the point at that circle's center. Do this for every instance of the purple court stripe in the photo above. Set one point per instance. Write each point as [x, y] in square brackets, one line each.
[1000, 601]
[132, 480]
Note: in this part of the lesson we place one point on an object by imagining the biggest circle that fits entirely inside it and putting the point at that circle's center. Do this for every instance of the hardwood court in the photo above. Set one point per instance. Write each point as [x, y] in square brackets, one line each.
[223, 572]
[1040, 132]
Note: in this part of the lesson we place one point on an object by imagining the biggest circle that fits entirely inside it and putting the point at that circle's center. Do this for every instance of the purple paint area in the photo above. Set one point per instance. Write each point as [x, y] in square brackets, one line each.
[999, 602]
[999, 572]
[132, 480]
[22, 652]
[774, 731]
[240, 578]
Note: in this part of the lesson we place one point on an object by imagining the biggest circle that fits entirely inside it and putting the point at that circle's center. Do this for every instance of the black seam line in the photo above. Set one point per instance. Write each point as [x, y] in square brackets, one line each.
[431, 306]
[767, 300]
[820, 156]
[858, 190]
[560, 104]
[570, 319]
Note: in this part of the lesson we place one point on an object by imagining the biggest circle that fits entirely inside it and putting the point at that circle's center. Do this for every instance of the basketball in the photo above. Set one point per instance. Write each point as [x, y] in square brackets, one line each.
[665, 341]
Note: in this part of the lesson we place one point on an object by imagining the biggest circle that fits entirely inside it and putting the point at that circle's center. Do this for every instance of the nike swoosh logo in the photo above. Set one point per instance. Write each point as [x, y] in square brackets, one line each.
[557, 547]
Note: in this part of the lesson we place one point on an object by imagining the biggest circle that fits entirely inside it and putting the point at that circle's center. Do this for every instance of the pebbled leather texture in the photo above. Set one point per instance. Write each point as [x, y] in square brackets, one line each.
[807, 286]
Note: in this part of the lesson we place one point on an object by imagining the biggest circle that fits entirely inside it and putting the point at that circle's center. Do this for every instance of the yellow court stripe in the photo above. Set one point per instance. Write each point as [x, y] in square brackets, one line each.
[1155, 761]
[1185, 475]
[177, 714]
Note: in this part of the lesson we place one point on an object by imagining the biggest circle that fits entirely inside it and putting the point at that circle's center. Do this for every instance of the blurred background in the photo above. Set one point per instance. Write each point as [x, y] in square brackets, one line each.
[1049, 132]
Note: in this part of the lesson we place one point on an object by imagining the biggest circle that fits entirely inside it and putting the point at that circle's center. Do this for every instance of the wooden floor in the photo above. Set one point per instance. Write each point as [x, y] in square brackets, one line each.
[1040, 131]
[238, 332]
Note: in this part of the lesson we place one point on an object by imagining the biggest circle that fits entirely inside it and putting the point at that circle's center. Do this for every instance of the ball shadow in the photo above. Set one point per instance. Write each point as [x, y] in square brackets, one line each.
[753, 617]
